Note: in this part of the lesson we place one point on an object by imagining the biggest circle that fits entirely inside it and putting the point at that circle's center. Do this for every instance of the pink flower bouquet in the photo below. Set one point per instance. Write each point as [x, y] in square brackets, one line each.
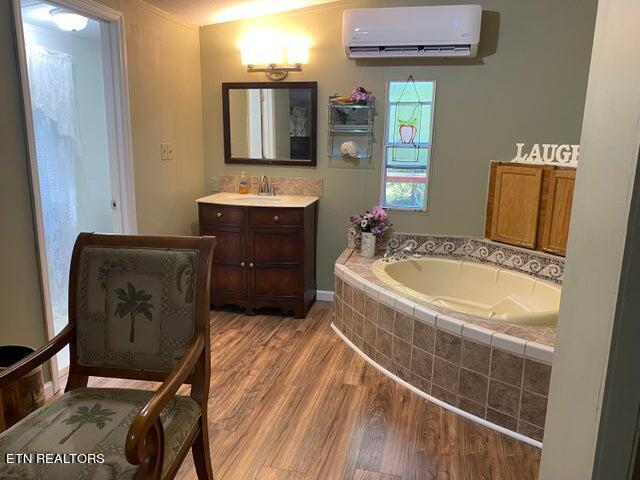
[376, 221]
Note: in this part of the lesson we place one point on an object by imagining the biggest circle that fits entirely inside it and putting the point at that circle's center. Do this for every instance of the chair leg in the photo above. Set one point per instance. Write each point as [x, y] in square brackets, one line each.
[200, 451]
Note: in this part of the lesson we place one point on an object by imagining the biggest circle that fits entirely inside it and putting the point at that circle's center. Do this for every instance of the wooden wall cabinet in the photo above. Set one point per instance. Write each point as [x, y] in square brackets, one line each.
[557, 214]
[530, 205]
[265, 256]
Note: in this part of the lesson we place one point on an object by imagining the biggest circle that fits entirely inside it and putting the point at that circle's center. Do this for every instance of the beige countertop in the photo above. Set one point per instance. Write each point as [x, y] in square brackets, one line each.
[253, 200]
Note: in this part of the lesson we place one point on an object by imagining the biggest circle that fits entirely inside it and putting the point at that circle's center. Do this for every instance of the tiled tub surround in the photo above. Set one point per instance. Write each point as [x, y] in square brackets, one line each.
[529, 262]
[283, 185]
[493, 371]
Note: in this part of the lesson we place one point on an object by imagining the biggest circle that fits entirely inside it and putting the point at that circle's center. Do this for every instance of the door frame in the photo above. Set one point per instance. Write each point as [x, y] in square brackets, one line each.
[116, 89]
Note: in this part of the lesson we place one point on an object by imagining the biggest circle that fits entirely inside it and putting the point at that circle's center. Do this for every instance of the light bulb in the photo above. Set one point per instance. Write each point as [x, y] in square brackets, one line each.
[68, 21]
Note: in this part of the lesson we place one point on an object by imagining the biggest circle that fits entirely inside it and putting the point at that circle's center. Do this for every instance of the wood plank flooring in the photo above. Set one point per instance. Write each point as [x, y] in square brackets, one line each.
[291, 401]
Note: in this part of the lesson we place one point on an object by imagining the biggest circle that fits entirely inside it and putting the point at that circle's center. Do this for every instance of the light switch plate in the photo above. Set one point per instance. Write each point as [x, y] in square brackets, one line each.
[166, 151]
[214, 184]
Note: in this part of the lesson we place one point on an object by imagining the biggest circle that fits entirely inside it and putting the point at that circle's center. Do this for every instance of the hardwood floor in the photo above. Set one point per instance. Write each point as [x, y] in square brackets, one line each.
[291, 401]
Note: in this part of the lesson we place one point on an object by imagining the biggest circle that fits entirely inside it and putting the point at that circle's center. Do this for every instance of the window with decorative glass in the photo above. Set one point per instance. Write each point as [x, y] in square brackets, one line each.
[407, 144]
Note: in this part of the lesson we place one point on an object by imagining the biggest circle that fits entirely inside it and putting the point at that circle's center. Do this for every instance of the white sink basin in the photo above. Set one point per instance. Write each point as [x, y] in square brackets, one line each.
[252, 198]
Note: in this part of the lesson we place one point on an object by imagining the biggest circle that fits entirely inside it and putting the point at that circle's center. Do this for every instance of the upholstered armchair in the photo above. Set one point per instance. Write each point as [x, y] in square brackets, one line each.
[138, 309]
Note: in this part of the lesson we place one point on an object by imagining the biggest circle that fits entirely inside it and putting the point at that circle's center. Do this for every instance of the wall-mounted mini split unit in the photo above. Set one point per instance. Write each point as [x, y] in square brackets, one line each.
[412, 32]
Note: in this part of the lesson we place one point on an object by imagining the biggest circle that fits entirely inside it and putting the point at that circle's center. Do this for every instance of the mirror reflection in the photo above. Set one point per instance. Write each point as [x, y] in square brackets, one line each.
[271, 125]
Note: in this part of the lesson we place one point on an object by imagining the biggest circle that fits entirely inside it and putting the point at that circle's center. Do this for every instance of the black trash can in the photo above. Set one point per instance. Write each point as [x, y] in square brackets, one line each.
[22, 397]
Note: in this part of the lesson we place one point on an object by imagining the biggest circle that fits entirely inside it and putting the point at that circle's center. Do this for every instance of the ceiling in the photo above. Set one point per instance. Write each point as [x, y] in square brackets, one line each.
[206, 12]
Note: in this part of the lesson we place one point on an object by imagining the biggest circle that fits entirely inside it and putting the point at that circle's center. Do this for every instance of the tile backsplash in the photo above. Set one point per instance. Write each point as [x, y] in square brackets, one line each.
[283, 185]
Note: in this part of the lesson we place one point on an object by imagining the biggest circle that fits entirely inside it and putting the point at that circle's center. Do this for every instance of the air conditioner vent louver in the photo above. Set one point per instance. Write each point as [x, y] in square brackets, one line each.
[415, 51]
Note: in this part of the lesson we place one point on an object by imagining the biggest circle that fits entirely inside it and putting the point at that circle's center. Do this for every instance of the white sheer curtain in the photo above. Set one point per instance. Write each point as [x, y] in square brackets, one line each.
[54, 115]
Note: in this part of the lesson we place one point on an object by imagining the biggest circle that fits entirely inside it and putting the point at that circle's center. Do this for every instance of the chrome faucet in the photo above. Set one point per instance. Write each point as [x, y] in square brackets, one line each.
[265, 188]
[400, 254]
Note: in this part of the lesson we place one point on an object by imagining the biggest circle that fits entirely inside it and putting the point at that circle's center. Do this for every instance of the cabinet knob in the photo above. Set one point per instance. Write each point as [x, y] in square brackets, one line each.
[242, 264]
[251, 265]
[275, 219]
[219, 214]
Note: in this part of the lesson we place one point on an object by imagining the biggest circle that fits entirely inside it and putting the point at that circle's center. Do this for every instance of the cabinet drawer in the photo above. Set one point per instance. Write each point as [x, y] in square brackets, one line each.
[275, 216]
[221, 215]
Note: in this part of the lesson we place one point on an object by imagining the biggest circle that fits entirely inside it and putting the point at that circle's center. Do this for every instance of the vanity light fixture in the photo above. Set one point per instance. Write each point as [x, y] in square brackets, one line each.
[275, 72]
[273, 53]
[67, 20]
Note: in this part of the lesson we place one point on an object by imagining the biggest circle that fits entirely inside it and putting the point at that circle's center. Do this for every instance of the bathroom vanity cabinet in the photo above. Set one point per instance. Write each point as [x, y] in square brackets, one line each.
[266, 255]
[530, 205]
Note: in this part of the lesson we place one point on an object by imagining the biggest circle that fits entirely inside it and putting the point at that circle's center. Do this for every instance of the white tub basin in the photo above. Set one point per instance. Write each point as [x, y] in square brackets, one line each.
[484, 291]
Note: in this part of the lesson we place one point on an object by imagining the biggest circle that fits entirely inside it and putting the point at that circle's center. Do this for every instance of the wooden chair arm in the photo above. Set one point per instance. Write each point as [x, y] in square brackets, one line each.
[37, 358]
[145, 434]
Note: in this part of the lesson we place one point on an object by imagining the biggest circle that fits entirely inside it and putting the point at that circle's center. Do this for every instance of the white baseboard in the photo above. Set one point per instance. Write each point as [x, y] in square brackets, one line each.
[324, 295]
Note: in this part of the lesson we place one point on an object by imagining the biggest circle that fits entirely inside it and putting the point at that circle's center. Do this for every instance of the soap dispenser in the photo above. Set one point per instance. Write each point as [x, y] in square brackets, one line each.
[243, 187]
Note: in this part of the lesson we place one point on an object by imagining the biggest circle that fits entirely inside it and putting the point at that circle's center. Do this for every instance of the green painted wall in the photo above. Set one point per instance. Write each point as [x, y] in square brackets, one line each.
[527, 84]
[22, 320]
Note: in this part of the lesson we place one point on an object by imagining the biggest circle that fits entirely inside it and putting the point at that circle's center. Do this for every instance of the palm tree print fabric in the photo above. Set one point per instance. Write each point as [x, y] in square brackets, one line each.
[133, 302]
[90, 420]
[97, 416]
[135, 307]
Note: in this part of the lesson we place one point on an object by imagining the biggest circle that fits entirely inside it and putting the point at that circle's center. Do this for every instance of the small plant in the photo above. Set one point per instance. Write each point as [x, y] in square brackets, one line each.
[376, 222]
[361, 95]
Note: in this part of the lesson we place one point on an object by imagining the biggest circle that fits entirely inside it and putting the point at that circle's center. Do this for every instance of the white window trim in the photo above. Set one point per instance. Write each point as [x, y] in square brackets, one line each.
[383, 175]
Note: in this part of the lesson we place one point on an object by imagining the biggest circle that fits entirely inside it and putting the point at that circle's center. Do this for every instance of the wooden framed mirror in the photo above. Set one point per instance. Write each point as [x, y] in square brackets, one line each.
[270, 123]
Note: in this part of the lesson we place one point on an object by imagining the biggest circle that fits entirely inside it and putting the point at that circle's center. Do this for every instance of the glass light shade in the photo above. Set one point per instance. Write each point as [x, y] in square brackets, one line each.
[262, 54]
[273, 48]
[68, 21]
[297, 54]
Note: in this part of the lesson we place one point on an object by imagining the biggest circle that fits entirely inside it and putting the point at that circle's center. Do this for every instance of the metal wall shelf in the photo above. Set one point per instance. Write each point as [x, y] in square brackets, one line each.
[350, 122]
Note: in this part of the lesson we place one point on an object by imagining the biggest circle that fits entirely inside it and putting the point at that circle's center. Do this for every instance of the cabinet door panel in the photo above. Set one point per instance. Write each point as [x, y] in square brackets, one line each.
[557, 214]
[228, 269]
[227, 281]
[276, 281]
[276, 245]
[230, 248]
[516, 204]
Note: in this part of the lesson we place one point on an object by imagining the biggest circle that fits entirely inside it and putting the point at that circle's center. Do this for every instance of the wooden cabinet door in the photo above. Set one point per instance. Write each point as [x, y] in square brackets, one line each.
[229, 266]
[516, 202]
[275, 262]
[556, 214]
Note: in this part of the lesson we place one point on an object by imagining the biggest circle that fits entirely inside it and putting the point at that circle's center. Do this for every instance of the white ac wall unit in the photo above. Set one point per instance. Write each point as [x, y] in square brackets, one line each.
[410, 32]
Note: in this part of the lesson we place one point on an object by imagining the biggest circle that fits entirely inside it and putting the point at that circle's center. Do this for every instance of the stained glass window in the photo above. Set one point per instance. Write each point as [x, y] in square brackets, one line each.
[407, 145]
